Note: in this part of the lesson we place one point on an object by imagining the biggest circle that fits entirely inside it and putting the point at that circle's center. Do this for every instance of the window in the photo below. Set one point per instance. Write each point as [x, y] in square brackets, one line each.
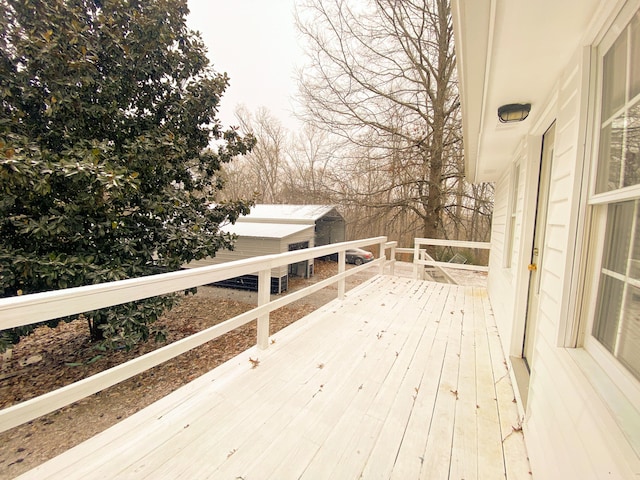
[616, 200]
[619, 161]
[617, 320]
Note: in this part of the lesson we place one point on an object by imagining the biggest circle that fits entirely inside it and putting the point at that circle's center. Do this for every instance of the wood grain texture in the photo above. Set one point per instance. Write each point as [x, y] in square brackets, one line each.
[398, 380]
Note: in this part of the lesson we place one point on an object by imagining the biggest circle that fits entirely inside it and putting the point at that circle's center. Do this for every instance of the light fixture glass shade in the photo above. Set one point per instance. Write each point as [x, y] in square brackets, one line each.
[514, 112]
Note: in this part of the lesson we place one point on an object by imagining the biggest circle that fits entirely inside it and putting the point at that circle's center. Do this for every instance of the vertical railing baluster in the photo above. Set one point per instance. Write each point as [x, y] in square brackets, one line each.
[392, 259]
[342, 260]
[264, 297]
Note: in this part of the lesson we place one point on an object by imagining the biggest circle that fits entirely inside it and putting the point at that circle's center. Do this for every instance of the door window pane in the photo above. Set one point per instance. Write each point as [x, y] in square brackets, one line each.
[610, 156]
[619, 153]
[617, 320]
[635, 55]
[618, 236]
[634, 267]
[632, 153]
[605, 327]
[629, 350]
[615, 78]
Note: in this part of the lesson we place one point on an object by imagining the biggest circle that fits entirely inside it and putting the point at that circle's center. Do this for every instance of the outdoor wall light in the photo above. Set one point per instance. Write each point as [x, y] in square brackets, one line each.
[514, 112]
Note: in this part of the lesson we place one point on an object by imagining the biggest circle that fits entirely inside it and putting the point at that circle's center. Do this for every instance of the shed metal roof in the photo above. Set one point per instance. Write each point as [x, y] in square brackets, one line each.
[267, 230]
[307, 214]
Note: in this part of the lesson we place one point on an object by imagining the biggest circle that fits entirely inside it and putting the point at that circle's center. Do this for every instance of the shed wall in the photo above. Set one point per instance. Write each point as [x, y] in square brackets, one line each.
[246, 247]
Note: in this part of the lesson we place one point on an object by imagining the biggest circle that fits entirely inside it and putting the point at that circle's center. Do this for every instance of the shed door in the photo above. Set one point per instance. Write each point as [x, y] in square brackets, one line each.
[537, 253]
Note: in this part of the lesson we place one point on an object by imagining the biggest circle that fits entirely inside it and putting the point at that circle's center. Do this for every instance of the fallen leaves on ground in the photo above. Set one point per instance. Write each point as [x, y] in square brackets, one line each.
[64, 355]
[51, 358]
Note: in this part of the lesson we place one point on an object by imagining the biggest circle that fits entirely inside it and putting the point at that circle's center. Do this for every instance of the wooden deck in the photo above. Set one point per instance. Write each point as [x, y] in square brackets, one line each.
[404, 379]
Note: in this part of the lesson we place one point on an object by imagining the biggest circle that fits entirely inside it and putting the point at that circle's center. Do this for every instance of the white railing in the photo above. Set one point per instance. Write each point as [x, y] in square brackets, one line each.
[422, 259]
[39, 307]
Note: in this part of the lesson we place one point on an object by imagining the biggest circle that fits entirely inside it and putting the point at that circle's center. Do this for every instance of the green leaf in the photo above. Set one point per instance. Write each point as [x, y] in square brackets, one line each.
[106, 111]
[94, 359]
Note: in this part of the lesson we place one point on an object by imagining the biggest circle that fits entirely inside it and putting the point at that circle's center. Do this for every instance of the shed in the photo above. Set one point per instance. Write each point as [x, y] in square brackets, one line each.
[329, 224]
[270, 229]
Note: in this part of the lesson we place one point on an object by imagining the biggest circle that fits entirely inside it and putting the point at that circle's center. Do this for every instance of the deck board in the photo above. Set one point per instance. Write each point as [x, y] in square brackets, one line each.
[403, 379]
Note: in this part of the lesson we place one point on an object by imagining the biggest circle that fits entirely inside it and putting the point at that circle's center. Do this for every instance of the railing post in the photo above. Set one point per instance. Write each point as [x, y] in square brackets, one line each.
[392, 260]
[342, 260]
[264, 296]
[383, 255]
[416, 258]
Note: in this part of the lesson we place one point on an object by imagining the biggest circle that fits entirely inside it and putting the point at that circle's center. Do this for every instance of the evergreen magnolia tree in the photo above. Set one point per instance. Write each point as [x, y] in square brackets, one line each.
[108, 107]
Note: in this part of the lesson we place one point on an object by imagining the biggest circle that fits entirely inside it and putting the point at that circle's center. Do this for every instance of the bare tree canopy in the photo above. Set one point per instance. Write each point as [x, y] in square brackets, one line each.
[381, 75]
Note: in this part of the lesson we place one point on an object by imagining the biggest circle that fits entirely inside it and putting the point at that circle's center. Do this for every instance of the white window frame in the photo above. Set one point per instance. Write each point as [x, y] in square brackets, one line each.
[616, 373]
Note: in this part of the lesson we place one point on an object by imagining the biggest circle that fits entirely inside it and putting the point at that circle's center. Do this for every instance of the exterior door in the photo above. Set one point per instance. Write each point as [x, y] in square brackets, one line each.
[537, 253]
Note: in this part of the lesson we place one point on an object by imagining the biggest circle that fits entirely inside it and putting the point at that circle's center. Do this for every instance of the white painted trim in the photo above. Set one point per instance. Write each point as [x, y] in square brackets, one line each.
[425, 259]
[615, 387]
[453, 243]
[531, 164]
[264, 295]
[619, 195]
[458, 266]
[607, 10]
[533, 145]
[511, 220]
[487, 78]
[39, 307]
[35, 407]
[618, 15]
[569, 322]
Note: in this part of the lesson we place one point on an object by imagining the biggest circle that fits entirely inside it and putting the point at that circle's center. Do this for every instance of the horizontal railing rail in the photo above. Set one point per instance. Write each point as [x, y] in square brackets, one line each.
[39, 307]
[420, 256]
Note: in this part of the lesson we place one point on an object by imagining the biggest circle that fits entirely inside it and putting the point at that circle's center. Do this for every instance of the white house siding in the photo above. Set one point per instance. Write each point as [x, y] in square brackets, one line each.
[501, 278]
[570, 430]
[553, 416]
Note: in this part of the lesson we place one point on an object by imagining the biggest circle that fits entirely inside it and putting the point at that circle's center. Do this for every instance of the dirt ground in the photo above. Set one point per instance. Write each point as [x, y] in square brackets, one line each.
[51, 358]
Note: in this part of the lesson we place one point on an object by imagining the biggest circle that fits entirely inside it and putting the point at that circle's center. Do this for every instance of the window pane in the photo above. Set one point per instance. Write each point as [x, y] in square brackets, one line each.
[618, 237]
[634, 268]
[605, 327]
[635, 55]
[629, 350]
[610, 156]
[632, 154]
[614, 81]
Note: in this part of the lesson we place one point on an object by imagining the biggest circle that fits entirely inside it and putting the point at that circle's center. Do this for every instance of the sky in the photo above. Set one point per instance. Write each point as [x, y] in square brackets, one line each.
[255, 42]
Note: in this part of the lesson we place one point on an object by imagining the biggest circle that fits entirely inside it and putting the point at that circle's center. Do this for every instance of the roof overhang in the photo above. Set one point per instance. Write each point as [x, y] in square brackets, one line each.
[510, 51]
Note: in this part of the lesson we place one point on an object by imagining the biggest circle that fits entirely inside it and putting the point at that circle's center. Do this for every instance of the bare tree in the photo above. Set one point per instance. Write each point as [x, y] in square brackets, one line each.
[261, 172]
[309, 167]
[381, 75]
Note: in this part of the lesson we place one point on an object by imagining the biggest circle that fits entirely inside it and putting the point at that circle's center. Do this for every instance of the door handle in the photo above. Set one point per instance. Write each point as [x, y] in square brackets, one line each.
[532, 267]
